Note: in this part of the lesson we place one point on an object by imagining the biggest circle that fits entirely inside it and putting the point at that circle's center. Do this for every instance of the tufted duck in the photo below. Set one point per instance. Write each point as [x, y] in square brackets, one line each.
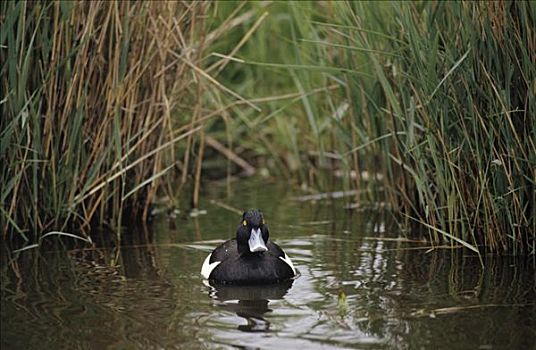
[249, 258]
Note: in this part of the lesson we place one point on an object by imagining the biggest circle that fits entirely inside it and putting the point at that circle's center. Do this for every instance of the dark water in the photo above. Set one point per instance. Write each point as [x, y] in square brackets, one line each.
[355, 290]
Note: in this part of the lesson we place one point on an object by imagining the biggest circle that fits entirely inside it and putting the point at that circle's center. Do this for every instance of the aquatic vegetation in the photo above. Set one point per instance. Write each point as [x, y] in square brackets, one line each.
[432, 102]
[90, 98]
[426, 106]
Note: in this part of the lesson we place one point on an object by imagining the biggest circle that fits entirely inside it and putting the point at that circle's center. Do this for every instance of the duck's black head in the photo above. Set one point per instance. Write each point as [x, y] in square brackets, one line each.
[252, 233]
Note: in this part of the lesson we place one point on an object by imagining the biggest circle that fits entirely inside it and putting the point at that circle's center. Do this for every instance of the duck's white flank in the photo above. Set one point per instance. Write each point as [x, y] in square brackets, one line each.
[289, 263]
[208, 267]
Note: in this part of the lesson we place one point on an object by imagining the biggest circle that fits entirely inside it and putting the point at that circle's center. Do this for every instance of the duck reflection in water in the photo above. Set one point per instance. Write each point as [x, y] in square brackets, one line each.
[249, 302]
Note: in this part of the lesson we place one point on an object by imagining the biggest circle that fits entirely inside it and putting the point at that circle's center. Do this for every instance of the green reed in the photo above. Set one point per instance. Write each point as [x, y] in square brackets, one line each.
[432, 101]
[458, 98]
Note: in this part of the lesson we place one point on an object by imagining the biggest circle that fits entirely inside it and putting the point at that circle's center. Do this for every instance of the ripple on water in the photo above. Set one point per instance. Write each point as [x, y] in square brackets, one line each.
[352, 292]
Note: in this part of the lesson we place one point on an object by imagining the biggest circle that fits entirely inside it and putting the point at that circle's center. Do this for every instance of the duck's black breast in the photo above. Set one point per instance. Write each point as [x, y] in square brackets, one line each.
[258, 268]
[224, 251]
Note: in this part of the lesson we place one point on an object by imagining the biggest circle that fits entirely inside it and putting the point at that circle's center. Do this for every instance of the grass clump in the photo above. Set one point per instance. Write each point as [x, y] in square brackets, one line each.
[458, 97]
[434, 101]
[88, 94]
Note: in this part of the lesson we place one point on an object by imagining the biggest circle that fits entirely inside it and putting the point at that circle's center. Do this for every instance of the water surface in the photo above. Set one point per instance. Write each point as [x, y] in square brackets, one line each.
[360, 287]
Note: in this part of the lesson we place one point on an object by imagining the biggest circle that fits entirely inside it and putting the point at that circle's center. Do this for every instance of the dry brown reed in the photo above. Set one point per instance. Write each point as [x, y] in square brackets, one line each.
[90, 93]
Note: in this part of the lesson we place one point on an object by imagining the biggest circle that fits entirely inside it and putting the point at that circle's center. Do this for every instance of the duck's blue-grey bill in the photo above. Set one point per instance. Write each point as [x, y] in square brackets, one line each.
[256, 243]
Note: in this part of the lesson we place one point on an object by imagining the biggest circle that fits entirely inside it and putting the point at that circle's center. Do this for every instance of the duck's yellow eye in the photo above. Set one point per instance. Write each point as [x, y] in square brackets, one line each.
[263, 222]
[245, 223]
